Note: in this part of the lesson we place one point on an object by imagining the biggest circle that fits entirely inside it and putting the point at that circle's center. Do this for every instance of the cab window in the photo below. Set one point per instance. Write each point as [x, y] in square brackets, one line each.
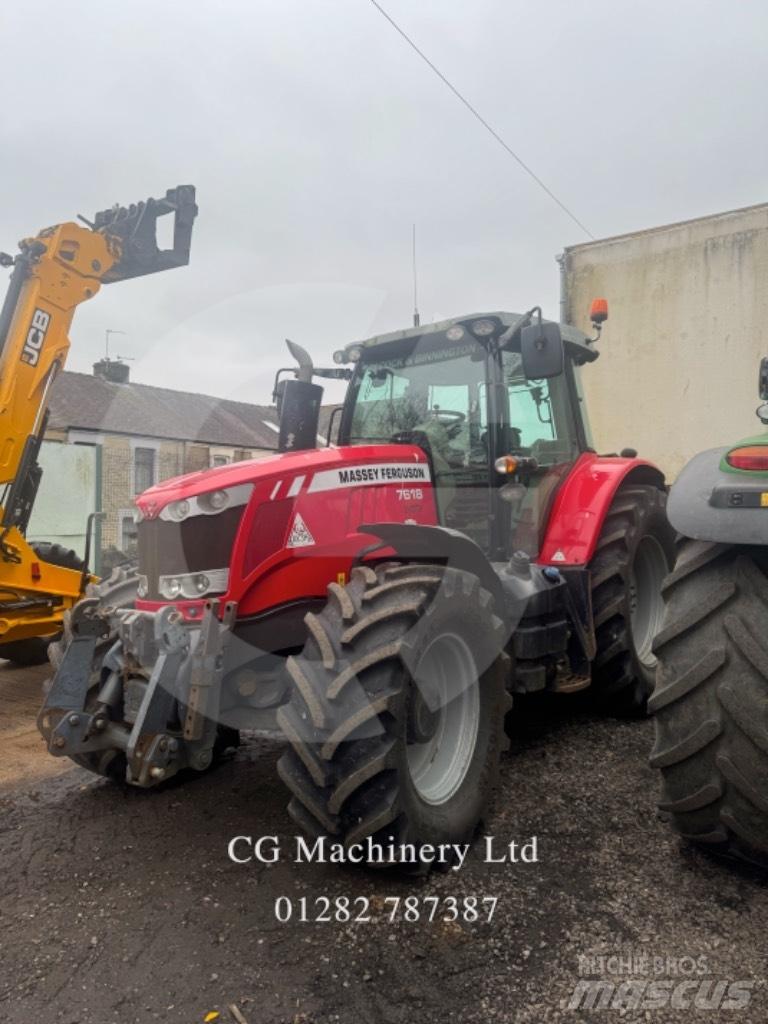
[541, 420]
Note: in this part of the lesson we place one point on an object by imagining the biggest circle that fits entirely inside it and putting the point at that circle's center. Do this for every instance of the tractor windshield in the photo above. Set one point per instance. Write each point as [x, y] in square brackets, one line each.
[436, 391]
[440, 392]
[434, 395]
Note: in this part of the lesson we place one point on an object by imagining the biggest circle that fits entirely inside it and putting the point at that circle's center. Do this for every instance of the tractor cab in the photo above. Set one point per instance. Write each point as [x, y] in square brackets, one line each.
[472, 393]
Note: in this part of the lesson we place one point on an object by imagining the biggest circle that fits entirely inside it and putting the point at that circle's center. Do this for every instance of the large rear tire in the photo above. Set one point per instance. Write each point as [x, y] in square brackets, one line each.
[635, 551]
[34, 650]
[396, 716]
[711, 704]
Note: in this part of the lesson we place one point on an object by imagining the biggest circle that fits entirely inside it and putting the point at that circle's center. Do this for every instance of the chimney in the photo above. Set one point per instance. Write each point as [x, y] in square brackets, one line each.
[113, 370]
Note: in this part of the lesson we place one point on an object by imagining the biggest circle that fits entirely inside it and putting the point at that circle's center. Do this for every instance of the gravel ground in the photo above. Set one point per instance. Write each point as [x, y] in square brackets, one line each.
[123, 906]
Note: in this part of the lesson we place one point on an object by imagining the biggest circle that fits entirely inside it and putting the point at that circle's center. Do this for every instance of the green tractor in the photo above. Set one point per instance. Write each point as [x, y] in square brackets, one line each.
[711, 699]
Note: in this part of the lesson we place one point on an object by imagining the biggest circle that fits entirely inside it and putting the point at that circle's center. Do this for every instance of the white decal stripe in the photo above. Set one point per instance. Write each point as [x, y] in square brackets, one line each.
[295, 487]
[275, 489]
[370, 475]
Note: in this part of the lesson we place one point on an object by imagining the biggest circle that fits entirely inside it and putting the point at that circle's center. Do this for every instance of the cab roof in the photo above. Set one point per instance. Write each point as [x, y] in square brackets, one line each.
[575, 339]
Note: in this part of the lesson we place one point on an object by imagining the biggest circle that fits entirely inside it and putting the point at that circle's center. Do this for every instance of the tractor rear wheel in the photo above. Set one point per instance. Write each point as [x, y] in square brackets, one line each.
[711, 705]
[396, 715]
[34, 650]
[635, 552]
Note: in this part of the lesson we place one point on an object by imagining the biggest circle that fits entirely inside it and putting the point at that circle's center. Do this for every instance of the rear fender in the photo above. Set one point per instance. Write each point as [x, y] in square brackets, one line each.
[723, 507]
[582, 503]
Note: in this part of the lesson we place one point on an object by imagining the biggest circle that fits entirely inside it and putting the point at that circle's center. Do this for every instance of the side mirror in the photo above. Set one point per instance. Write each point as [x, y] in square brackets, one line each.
[763, 382]
[542, 351]
[277, 395]
[299, 402]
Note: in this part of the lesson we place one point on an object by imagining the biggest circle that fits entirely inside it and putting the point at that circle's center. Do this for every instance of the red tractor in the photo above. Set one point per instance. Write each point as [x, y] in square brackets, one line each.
[379, 602]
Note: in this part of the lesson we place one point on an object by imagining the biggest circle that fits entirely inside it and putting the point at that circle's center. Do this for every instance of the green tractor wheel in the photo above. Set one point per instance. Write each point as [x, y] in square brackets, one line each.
[711, 702]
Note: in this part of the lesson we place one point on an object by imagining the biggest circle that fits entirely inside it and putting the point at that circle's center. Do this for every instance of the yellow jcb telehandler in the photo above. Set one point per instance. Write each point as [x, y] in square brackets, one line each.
[52, 274]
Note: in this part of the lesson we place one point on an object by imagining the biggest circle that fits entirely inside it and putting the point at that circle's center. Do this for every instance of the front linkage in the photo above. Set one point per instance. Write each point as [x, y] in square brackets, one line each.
[155, 697]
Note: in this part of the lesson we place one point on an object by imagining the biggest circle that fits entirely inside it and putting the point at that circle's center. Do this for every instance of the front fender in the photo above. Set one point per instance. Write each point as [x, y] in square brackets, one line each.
[582, 503]
[723, 507]
[439, 544]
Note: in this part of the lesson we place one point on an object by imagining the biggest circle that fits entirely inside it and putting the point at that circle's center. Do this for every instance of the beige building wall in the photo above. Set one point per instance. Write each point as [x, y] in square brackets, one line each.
[688, 324]
[116, 485]
[117, 474]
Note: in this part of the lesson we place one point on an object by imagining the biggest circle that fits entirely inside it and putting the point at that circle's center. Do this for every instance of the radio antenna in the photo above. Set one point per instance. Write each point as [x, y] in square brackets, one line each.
[107, 333]
[416, 317]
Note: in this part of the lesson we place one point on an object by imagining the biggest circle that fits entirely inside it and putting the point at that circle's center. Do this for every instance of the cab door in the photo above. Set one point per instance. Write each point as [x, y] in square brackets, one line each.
[541, 422]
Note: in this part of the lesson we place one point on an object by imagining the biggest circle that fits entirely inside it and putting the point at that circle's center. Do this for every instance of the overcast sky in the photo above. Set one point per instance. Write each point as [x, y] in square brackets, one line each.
[316, 137]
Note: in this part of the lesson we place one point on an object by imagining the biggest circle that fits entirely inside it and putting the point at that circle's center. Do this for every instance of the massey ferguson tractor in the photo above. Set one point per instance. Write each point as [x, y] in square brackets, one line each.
[378, 602]
[711, 705]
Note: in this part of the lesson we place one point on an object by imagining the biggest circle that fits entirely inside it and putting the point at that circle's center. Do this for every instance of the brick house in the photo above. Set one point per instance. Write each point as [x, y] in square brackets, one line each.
[144, 434]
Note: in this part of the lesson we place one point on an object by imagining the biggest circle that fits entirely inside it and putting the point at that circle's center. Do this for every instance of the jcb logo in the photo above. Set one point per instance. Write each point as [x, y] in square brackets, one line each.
[35, 337]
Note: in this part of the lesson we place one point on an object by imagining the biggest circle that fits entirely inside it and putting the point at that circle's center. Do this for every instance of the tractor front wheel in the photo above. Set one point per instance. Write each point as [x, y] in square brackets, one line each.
[635, 551]
[396, 717]
[711, 704]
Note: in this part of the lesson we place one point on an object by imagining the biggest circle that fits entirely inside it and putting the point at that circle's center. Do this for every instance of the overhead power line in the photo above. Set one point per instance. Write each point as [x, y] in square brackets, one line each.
[482, 120]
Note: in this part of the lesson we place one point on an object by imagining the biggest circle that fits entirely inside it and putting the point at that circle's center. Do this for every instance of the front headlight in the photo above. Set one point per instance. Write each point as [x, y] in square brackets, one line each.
[170, 587]
[209, 503]
[215, 501]
[178, 510]
[201, 583]
[194, 585]
[143, 589]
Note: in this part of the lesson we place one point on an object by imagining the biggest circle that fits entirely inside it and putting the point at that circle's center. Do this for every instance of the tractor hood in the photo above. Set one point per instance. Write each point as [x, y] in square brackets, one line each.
[268, 532]
[338, 462]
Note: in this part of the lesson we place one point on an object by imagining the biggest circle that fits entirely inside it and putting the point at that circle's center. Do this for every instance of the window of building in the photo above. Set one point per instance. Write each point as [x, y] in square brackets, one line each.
[144, 460]
[128, 536]
[221, 456]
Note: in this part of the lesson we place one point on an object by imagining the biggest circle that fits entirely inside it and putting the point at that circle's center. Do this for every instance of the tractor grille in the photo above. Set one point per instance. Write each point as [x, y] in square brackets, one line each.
[197, 544]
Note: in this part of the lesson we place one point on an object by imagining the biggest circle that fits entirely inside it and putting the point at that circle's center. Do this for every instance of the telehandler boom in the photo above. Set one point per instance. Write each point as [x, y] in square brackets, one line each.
[52, 274]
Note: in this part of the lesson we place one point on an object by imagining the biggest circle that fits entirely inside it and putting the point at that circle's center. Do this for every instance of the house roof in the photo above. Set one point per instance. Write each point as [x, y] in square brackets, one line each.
[80, 401]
